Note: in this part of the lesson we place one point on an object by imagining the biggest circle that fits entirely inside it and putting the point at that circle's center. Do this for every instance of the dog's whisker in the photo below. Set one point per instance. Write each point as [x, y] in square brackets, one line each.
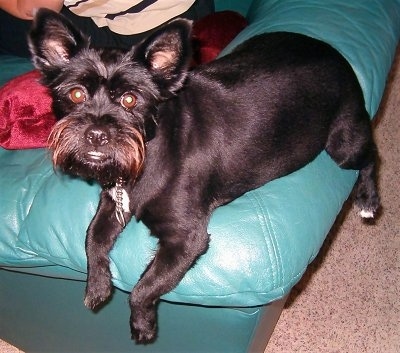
[54, 140]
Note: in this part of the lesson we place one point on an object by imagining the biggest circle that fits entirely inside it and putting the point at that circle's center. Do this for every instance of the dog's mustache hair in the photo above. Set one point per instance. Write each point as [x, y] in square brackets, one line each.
[129, 153]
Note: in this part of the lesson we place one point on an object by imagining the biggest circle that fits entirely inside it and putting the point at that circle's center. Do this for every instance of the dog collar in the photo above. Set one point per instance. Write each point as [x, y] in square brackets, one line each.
[121, 198]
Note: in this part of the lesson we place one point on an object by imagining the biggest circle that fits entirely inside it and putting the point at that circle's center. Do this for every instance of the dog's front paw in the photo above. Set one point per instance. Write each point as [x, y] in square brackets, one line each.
[143, 331]
[143, 323]
[97, 292]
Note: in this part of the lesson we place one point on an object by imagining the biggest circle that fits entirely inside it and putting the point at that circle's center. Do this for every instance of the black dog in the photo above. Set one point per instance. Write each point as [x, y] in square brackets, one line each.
[169, 145]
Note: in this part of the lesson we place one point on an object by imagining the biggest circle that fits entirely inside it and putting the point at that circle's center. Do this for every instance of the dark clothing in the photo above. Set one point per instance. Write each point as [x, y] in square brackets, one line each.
[14, 31]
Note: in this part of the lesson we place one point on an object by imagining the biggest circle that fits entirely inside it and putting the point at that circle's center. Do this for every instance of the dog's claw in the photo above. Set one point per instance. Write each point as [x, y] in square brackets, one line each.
[143, 337]
[143, 333]
[143, 323]
[92, 303]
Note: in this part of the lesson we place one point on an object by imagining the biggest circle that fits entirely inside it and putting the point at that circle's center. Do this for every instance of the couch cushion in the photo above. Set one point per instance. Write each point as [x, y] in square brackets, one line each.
[11, 66]
[255, 254]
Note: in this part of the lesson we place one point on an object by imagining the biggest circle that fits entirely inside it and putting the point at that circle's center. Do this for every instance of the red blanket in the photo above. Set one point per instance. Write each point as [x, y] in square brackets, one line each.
[26, 118]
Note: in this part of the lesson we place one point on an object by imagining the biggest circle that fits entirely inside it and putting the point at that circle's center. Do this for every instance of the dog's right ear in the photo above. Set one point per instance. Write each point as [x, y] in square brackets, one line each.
[53, 41]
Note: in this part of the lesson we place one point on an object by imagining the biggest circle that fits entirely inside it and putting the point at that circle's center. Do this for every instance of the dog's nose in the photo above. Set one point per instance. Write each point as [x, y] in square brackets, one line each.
[97, 136]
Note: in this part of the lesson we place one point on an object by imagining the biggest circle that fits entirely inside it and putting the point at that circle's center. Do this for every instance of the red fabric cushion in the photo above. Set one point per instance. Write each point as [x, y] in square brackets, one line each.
[214, 32]
[26, 118]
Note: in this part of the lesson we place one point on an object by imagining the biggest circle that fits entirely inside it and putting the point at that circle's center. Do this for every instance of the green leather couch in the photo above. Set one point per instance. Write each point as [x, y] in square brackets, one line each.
[261, 244]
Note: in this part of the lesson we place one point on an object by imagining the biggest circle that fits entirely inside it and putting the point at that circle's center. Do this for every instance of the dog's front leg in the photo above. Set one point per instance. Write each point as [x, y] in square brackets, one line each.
[100, 238]
[177, 252]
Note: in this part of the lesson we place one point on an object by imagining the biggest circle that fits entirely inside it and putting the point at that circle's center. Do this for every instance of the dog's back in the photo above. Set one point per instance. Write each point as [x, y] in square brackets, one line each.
[262, 111]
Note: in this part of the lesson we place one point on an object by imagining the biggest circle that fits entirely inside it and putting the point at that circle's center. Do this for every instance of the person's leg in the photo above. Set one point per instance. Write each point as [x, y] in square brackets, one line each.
[13, 35]
[100, 37]
[199, 9]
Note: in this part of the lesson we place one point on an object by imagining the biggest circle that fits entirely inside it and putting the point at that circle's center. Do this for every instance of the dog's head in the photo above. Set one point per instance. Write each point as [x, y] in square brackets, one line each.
[106, 100]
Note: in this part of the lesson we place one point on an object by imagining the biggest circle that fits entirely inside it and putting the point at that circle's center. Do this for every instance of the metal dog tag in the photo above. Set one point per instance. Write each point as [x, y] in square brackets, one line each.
[121, 199]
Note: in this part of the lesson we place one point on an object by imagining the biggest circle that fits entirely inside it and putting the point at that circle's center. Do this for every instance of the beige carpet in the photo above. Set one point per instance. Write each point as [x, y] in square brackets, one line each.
[6, 348]
[349, 299]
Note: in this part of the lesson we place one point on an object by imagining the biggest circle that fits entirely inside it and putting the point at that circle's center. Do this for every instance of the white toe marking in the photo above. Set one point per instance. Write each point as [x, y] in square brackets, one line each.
[366, 214]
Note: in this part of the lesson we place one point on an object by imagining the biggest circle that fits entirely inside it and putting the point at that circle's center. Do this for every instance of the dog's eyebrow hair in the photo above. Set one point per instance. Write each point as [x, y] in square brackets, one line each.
[101, 69]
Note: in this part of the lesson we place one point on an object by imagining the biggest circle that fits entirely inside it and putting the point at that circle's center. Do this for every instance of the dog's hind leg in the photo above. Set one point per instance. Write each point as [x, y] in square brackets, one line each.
[179, 248]
[100, 238]
[351, 146]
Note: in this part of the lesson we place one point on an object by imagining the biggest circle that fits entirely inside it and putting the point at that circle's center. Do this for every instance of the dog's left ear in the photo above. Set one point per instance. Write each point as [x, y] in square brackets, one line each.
[167, 54]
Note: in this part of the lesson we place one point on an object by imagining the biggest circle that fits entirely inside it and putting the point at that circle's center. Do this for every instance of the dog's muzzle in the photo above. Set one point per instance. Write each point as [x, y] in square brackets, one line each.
[97, 137]
[96, 152]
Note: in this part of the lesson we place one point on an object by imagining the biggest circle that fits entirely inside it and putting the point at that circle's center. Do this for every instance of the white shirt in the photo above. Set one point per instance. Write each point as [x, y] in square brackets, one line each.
[129, 16]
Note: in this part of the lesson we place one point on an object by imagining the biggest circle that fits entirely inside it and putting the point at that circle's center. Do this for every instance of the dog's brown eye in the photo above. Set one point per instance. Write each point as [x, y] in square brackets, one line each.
[128, 100]
[77, 95]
